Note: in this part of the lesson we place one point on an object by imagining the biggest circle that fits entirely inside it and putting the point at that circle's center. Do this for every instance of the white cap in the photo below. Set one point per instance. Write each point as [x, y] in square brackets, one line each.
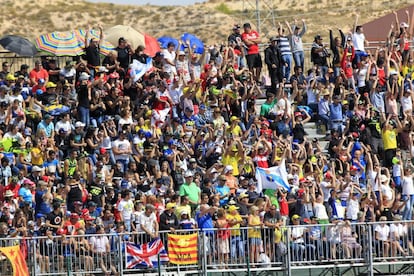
[403, 25]
[79, 124]
[102, 69]
[188, 174]
[181, 53]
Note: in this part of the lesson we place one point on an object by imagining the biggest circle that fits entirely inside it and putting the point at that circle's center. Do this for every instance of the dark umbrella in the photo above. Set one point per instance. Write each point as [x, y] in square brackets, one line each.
[18, 45]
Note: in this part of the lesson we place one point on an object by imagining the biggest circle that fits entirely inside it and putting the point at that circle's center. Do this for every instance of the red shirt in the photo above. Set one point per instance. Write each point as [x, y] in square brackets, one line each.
[41, 74]
[283, 206]
[254, 48]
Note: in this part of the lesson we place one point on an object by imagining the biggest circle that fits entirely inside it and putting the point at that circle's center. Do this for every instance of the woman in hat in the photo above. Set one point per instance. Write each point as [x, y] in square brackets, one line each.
[254, 234]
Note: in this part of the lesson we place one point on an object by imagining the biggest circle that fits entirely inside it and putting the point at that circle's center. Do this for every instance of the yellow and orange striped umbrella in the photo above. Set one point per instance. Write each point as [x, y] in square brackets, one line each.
[60, 44]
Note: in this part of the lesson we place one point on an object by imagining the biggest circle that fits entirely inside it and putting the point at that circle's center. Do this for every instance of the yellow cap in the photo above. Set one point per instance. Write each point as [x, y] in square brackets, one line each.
[10, 77]
[50, 84]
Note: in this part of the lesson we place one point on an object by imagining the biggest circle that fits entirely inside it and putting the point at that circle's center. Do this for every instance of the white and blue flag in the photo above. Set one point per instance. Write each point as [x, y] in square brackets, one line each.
[138, 69]
[272, 178]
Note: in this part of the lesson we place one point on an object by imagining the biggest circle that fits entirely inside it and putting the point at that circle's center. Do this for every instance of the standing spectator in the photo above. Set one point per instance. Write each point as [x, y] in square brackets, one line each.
[272, 60]
[126, 208]
[252, 39]
[285, 53]
[168, 220]
[319, 55]
[359, 41]
[191, 190]
[296, 34]
[92, 49]
[124, 52]
[148, 223]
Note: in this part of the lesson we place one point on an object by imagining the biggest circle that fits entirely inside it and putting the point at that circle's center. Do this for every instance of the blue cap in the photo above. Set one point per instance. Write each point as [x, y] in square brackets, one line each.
[39, 92]
[202, 106]
[148, 134]
[41, 81]
[40, 215]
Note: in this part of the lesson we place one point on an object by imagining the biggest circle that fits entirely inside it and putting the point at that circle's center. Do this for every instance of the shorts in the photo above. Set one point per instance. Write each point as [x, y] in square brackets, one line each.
[255, 241]
[254, 61]
[223, 246]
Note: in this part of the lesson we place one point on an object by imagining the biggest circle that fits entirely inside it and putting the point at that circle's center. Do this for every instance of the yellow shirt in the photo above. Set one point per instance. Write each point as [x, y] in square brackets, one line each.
[236, 131]
[235, 228]
[232, 161]
[389, 137]
[39, 160]
[254, 232]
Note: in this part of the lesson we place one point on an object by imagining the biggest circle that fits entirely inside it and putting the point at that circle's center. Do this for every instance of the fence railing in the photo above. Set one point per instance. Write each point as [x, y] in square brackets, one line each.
[353, 248]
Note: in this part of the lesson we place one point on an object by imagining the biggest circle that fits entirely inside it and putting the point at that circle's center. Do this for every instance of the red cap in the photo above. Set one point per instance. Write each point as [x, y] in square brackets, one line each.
[74, 216]
[298, 114]
[355, 134]
[328, 175]
[266, 123]
[207, 67]
[354, 168]
[102, 150]
[45, 178]
[306, 220]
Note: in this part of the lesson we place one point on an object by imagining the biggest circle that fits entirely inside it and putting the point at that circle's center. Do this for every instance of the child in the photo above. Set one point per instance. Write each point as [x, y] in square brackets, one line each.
[223, 236]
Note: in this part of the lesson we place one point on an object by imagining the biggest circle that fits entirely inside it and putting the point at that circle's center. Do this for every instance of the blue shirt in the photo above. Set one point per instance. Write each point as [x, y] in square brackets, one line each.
[335, 112]
[26, 195]
[205, 223]
[48, 128]
[222, 190]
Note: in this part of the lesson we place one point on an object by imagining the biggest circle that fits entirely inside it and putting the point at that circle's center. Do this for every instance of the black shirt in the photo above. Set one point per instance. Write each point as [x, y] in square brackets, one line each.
[83, 98]
[123, 57]
[92, 56]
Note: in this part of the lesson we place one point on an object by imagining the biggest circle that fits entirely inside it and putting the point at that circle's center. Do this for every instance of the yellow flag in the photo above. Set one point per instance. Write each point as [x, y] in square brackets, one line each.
[16, 259]
[182, 249]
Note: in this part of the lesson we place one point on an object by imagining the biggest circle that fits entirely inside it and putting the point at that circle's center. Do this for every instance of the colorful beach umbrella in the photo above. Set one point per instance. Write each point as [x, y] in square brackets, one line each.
[133, 37]
[18, 45]
[151, 45]
[164, 40]
[60, 44]
[104, 46]
[195, 43]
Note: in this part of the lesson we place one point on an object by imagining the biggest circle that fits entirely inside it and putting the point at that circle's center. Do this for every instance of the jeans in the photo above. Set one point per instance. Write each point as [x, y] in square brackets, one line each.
[298, 250]
[236, 247]
[408, 209]
[91, 73]
[299, 58]
[287, 64]
[84, 115]
[124, 163]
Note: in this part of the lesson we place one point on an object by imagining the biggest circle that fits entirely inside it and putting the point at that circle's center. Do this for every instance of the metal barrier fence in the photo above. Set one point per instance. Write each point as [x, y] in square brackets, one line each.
[352, 248]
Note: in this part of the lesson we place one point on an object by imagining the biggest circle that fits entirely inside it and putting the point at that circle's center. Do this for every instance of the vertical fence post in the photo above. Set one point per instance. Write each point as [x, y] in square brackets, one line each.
[370, 250]
[32, 242]
[122, 256]
[204, 253]
[288, 255]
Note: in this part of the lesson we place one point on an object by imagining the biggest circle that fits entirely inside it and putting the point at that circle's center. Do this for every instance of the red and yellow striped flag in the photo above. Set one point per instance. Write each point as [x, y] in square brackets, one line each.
[182, 249]
[16, 259]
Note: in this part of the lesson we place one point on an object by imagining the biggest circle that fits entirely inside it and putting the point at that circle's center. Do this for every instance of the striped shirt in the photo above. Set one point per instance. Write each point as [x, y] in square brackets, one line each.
[284, 46]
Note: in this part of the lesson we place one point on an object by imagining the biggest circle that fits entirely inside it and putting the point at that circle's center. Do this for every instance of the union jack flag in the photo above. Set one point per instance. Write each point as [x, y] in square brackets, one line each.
[145, 255]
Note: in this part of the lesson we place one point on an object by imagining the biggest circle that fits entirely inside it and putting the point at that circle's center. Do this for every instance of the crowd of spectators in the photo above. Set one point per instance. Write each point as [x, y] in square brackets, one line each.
[91, 150]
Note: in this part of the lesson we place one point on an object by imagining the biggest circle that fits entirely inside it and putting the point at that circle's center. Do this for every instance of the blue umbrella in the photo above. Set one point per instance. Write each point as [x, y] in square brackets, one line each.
[165, 40]
[196, 44]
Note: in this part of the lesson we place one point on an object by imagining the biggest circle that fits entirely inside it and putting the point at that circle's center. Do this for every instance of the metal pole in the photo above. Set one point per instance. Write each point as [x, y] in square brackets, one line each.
[121, 258]
[258, 16]
[159, 264]
[370, 250]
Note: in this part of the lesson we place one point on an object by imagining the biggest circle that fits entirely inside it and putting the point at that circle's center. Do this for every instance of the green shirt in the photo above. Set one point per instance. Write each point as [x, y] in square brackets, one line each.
[191, 190]
[266, 107]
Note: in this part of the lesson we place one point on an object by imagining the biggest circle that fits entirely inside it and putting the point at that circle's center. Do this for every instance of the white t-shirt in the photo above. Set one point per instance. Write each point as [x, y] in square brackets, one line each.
[406, 103]
[383, 232]
[67, 126]
[126, 207]
[121, 145]
[99, 243]
[320, 211]
[148, 221]
[358, 40]
[386, 192]
[170, 56]
[352, 209]
[407, 185]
